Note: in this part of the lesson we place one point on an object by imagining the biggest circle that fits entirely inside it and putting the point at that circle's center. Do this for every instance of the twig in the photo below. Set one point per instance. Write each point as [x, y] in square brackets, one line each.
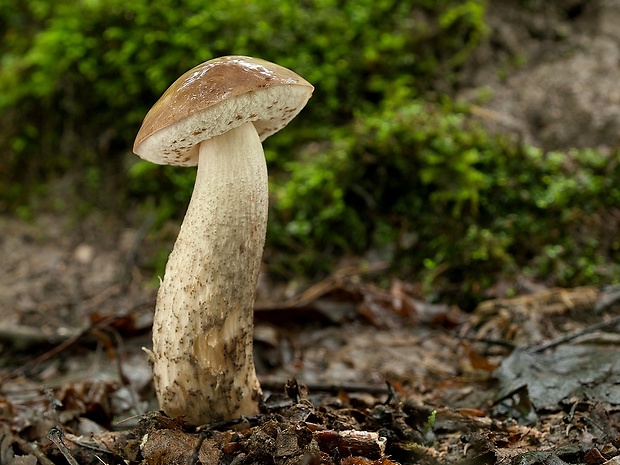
[392, 394]
[561, 340]
[278, 385]
[46, 356]
[494, 342]
[194, 459]
[55, 435]
[102, 296]
[88, 445]
[119, 355]
[227, 424]
[132, 417]
[24, 337]
[56, 350]
[607, 298]
[325, 286]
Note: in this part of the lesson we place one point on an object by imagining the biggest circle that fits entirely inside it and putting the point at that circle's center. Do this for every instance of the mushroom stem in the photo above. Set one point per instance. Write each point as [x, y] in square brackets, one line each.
[203, 363]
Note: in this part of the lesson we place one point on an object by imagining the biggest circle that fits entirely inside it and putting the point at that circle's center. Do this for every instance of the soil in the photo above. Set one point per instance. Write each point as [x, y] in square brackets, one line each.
[352, 372]
[549, 72]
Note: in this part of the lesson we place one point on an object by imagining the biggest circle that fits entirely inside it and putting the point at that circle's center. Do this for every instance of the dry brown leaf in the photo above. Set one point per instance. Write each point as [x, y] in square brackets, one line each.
[174, 447]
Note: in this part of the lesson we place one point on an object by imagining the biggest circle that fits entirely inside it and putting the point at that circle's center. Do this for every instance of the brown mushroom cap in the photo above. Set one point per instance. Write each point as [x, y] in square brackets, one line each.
[215, 97]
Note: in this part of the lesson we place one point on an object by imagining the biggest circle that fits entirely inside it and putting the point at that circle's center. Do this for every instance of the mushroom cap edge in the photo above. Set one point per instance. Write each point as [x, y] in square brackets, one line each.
[214, 97]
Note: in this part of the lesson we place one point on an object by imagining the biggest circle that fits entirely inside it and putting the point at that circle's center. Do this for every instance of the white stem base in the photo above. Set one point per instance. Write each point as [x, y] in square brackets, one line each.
[203, 364]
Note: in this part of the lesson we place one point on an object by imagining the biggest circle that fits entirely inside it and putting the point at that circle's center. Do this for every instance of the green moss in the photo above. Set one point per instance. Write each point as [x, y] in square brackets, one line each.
[380, 159]
[461, 206]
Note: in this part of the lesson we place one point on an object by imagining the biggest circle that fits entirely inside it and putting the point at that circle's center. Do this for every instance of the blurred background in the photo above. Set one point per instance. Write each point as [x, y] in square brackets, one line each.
[468, 146]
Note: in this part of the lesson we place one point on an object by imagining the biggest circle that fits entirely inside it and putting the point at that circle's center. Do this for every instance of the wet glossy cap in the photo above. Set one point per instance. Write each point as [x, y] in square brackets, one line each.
[215, 97]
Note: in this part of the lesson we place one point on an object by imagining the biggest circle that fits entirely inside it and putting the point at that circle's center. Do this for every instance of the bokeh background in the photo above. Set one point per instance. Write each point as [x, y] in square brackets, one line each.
[462, 143]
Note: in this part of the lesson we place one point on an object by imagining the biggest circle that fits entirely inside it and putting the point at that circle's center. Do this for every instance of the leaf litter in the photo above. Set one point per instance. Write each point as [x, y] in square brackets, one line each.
[352, 372]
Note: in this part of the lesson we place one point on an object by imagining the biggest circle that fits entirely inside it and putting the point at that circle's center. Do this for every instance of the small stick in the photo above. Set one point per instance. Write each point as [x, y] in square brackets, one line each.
[392, 395]
[56, 350]
[590, 329]
[277, 385]
[55, 435]
[193, 460]
[607, 298]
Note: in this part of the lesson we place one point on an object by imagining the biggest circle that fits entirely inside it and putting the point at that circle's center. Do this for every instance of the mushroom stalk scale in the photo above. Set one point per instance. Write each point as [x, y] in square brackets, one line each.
[215, 117]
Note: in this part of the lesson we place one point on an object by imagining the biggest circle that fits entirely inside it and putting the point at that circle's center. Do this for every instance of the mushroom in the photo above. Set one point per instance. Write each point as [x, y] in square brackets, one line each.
[215, 116]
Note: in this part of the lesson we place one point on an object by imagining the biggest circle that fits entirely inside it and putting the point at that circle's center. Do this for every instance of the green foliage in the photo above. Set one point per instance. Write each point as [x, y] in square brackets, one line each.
[373, 162]
[461, 205]
[78, 76]
[430, 422]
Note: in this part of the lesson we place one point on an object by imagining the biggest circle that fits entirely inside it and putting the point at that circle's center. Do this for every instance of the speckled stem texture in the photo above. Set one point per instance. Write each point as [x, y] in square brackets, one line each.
[203, 328]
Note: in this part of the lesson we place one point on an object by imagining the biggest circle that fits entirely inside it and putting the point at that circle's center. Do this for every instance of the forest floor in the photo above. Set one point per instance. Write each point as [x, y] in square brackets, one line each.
[352, 372]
